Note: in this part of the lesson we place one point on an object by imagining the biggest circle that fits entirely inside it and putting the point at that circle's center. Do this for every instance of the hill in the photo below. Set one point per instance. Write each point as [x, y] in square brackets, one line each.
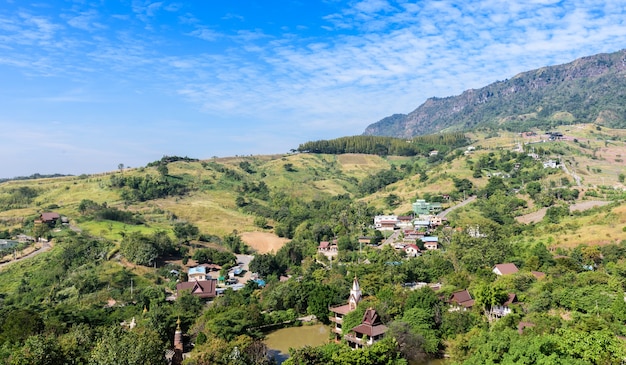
[130, 236]
[588, 90]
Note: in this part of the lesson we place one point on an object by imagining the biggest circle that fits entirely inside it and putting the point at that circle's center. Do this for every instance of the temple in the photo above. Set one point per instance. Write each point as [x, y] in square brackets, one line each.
[340, 311]
[370, 330]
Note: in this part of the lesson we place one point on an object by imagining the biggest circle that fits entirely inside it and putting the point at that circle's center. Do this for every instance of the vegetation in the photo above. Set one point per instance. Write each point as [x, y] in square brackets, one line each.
[384, 146]
[131, 233]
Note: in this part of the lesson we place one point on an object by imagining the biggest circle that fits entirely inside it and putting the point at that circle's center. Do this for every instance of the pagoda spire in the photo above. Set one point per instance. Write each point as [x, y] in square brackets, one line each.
[355, 294]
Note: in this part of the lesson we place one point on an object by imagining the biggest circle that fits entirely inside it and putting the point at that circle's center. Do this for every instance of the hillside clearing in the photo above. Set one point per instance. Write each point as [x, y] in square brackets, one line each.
[263, 242]
[537, 216]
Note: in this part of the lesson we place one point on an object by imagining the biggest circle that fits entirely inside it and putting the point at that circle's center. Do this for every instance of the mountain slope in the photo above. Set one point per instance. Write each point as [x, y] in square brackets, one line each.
[590, 89]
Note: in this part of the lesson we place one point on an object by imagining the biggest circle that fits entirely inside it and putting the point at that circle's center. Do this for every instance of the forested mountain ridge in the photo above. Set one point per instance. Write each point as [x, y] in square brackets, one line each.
[588, 90]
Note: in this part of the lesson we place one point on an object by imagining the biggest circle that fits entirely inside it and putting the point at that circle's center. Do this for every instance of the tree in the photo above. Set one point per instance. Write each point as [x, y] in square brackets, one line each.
[122, 347]
[260, 222]
[265, 264]
[40, 350]
[163, 170]
[185, 231]
[121, 167]
[139, 249]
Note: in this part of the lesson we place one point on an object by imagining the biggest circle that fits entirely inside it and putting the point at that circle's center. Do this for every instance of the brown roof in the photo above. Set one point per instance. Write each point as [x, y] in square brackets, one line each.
[201, 288]
[512, 298]
[324, 244]
[49, 216]
[506, 269]
[371, 324]
[462, 298]
[538, 274]
[341, 309]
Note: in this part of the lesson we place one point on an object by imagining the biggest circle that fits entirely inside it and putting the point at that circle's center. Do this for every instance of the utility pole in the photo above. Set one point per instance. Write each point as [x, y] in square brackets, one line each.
[131, 288]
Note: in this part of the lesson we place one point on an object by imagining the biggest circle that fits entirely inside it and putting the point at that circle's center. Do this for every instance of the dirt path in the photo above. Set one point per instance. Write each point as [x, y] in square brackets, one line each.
[45, 247]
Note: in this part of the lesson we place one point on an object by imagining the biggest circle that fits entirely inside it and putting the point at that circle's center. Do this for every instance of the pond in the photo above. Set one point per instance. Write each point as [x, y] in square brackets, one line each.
[281, 340]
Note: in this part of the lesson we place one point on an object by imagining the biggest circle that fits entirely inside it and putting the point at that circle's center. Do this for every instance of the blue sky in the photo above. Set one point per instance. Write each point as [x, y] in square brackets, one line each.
[86, 85]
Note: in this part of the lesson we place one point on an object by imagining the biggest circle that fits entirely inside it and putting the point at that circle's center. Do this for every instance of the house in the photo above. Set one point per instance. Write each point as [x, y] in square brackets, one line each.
[49, 218]
[365, 239]
[422, 207]
[433, 153]
[405, 221]
[460, 300]
[328, 249]
[422, 223]
[326, 246]
[385, 222]
[197, 273]
[370, 331]
[436, 221]
[412, 250]
[412, 235]
[551, 164]
[505, 269]
[430, 242]
[341, 310]
[499, 311]
[204, 289]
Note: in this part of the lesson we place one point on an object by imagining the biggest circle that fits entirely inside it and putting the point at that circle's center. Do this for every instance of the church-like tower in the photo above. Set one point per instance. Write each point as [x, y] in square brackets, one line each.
[355, 294]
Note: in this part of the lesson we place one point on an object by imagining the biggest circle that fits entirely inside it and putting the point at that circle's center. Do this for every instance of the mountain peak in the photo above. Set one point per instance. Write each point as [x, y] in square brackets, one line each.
[589, 89]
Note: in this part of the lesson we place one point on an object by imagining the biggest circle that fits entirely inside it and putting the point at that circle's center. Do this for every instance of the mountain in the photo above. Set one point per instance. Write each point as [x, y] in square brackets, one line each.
[590, 90]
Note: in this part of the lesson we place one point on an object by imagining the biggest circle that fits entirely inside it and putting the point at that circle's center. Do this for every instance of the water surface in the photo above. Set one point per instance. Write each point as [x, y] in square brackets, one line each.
[280, 341]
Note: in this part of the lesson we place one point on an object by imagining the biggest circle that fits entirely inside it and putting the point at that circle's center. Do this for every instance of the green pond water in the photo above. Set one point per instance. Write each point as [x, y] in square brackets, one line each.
[280, 341]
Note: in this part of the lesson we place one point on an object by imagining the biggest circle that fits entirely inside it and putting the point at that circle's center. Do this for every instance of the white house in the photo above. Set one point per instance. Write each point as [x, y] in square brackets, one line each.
[411, 250]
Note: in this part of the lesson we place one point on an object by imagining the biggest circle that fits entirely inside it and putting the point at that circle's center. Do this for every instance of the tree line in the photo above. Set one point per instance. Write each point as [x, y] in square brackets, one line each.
[384, 146]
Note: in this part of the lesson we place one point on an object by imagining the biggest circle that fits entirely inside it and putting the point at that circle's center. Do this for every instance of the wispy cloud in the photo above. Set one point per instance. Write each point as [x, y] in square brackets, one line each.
[334, 76]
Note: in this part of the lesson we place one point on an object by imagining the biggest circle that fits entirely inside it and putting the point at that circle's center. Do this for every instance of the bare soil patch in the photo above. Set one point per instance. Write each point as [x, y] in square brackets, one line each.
[538, 215]
[263, 242]
[582, 206]
[352, 159]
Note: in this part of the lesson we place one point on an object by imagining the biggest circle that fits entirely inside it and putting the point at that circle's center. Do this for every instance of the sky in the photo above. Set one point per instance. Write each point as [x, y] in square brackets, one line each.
[86, 85]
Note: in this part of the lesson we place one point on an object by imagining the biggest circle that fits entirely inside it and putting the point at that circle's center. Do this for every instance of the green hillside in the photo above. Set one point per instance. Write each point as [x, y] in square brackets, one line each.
[127, 230]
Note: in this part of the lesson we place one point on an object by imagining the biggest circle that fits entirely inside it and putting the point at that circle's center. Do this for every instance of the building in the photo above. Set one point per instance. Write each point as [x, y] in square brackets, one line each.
[422, 207]
[49, 218]
[370, 331]
[341, 310]
[205, 289]
[412, 250]
[430, 242]
[505, 269]
[501, 310]
[385, 222]
[460, 300]
[405, 221]
[197, 273]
